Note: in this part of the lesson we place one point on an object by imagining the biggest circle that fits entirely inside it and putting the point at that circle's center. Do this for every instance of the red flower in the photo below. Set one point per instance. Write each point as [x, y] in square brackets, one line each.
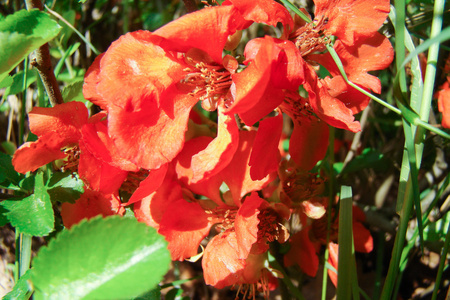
[90, 204]
[443, 96]
[149, 82]
[59, 131]
[304, 244]
[359, 45]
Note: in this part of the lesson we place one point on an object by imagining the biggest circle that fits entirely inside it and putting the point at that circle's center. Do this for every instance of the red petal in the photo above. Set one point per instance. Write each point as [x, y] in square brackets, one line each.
[150, 184]
[444, 103]
[246, 224]
[221, 264]
[237, 174]
[91, 80]
[333, 250]
[150, 137]
[351, 20]
[89, 205]
[265, 155]
[264, 11]
[327, 108]
[309, 142]
[66, 119]
[151, 209]
[97, 141]
[206, 29]
[98, 175]
[362, 238]
[216, 156]
[134, 71]
[33, 155]
[303, 253]
[184, 226]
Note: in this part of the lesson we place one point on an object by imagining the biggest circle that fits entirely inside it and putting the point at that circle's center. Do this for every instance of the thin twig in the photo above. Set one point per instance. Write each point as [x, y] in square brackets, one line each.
[43, 64]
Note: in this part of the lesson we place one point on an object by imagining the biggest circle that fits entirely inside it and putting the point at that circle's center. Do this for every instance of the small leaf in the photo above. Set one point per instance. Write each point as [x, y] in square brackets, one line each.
[21, 33]
[110, 258]
[65, 187]
[369, 158]
[22, 289]
[17, 85]
[32, 215]
[7, 173]
[9, 147]
[74, 92]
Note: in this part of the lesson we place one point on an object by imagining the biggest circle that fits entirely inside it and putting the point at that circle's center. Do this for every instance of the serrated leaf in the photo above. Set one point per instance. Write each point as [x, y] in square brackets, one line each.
[22, 289]
[154, 294]
[21, 33]
[65, 187]
[32, 215]
[74, 92]
[7, 173]
[103, 258]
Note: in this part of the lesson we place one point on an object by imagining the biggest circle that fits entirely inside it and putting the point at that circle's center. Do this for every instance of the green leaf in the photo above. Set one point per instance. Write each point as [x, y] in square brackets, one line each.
[7, 173]
[9, 147]
[66, 31]
[103, 258]
[154, 294]
[3, 218]
[65, 187]
[6, 82]
[74, 92]
[369, 158]
[17, 85]
[22, 289]
[22, 33]
[32, 215]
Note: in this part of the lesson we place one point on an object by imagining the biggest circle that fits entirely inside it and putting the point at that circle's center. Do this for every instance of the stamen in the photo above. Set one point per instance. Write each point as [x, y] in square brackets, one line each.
[312, 37]
[70, 163]
[210, 83]
[133, 180]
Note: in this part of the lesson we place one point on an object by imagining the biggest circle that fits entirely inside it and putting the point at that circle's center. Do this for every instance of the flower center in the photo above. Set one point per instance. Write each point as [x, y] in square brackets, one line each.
[223, 216]
[270, 228]
[70, 163]
[312, 37]
[302, 186]
[133, 180]
[210, 83]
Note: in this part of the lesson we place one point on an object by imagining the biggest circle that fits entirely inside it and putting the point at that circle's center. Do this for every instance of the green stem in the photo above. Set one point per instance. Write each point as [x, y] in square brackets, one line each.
[23, 111]
[23, 254]
[329, 211]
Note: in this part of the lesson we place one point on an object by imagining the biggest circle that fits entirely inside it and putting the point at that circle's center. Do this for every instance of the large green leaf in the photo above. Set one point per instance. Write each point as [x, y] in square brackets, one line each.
[103, 258]
[22, 33]
[32, 215]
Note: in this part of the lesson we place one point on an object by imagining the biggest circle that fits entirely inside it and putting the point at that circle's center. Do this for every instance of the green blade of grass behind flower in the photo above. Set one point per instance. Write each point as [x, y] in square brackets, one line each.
[345, 240]
[408, 189]
[330, 160]
[58, 16]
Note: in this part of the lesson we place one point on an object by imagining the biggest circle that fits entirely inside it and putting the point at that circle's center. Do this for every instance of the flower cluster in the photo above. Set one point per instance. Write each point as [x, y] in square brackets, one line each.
[223, 184]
